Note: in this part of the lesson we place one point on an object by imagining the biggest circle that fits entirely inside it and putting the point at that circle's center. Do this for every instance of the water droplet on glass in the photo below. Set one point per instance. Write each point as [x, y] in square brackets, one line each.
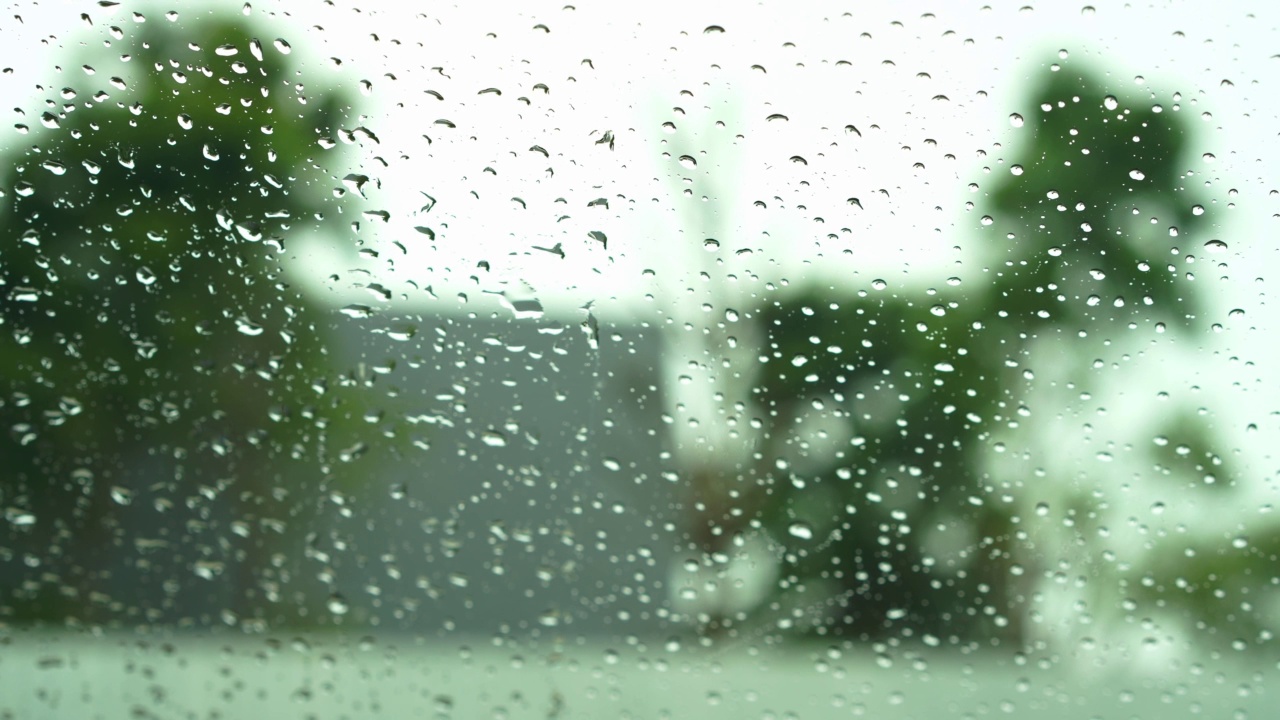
[1215, 246]
[1016, 120]
[801, 530]
[493, 438]
[338, 604]
[1110, 102]
[687, 161]
[248, 327]
[357, 311]
[121, 496]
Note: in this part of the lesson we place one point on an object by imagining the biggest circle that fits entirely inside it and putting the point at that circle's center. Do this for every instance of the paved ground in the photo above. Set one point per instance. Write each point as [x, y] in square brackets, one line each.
[63, 676]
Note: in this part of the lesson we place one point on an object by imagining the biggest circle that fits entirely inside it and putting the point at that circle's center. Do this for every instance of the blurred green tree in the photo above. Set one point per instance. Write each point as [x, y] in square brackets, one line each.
[874, 472]
[163, 397]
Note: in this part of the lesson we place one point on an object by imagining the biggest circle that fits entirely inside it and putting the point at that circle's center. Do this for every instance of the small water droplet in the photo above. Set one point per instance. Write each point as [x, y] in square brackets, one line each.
[248, 327]
[1110, 102]
[357, 311]
[121, 496]
[801, 530]
[1016, 120]
[688, 162]
[1215, 246]
[493, 438]
[338, 604]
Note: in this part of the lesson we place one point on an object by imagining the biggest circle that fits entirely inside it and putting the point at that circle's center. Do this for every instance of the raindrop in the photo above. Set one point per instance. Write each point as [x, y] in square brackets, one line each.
[1016, 120]
[338, 604]
[1110, 102]
[248, 327]
[801, 530]
[1215, 246]
[688, 162]
[121, 496]
[357, 311]
[282, 47]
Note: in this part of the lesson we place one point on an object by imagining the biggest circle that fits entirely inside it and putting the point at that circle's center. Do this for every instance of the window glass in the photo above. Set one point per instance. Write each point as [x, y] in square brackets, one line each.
[651, 360]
